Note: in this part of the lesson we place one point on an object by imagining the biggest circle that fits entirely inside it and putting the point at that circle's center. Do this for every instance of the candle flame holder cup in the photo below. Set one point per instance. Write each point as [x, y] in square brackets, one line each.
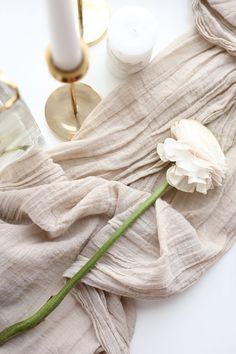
[69, 105]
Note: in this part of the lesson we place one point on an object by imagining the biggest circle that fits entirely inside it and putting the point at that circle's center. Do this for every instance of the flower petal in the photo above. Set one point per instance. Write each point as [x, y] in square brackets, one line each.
[179, 182]
[199, 161]
[161, 152]
[201, 140]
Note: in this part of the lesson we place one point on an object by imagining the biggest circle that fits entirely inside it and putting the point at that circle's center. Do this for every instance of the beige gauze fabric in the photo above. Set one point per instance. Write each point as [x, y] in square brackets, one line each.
[216, 21]
[57, 208]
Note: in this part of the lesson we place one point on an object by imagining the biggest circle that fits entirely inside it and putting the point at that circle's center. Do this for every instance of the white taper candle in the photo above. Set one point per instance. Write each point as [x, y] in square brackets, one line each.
[65, 34]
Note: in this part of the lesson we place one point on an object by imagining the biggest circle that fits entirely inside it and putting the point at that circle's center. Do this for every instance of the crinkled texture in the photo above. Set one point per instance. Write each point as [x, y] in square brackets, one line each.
[57, 211]
[216, 22]
[199, 161]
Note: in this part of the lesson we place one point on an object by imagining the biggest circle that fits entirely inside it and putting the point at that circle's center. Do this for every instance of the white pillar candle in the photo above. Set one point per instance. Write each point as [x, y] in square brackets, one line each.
[65, 34]
[131, 38]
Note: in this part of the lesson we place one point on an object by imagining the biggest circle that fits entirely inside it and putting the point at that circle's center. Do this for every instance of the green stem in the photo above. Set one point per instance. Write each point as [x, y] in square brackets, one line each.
[56, 299]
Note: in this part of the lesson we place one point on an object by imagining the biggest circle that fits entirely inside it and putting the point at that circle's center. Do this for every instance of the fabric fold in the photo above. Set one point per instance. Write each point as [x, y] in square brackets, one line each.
[216, 22]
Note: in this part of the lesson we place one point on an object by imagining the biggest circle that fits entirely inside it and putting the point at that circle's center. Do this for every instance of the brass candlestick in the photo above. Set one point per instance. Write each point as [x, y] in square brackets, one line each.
[68, 106]
[95, 16]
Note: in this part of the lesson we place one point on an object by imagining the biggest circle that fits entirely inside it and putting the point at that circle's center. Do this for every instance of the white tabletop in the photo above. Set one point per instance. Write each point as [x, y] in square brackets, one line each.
[203, 319]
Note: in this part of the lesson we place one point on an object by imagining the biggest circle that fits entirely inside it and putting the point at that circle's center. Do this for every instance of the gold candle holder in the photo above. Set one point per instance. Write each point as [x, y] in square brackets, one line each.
[69, 105]
[95, 16]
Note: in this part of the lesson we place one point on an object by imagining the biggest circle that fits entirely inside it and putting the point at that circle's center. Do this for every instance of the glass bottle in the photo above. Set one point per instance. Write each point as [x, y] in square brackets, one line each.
[18, 129]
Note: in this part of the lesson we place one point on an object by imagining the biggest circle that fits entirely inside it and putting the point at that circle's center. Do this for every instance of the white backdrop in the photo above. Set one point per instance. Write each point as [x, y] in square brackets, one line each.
[203, 319]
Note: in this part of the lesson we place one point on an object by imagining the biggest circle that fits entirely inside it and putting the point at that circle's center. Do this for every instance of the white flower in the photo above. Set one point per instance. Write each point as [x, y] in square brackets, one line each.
[199, 161]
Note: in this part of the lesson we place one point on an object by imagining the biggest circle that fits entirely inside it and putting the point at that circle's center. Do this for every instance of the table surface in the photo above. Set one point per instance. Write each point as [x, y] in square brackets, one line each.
[200, 320]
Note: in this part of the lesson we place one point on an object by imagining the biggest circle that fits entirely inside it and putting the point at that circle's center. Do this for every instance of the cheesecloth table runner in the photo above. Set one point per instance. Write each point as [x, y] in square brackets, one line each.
[57, 208]
[216, 21]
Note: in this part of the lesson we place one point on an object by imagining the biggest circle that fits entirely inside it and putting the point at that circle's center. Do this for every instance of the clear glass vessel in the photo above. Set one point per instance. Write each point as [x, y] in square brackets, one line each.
[18, 129]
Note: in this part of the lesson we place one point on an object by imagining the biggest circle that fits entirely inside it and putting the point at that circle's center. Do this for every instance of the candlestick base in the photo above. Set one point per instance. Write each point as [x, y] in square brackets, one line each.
[96, 18]
[59, 112]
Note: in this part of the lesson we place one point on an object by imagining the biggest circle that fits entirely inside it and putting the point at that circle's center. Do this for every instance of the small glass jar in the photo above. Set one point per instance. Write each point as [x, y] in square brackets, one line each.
[18, 129]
